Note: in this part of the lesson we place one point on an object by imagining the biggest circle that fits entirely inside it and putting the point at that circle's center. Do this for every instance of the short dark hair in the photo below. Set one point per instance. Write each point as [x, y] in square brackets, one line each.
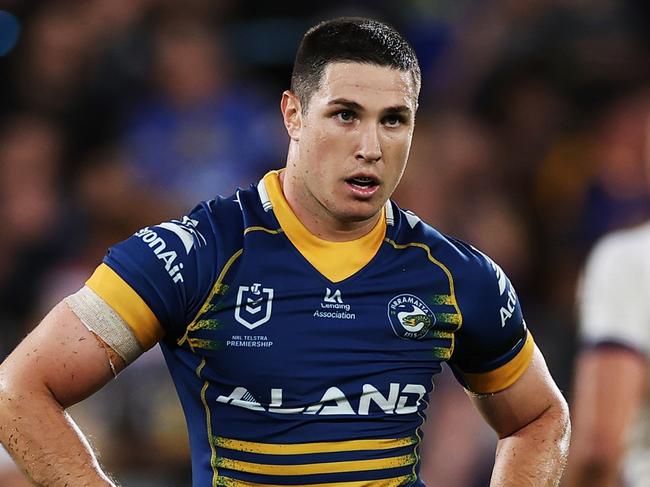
[349, 39]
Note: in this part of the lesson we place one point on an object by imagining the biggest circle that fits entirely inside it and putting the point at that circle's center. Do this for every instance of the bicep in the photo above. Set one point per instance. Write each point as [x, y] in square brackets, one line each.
[532, 395]
[62, 357]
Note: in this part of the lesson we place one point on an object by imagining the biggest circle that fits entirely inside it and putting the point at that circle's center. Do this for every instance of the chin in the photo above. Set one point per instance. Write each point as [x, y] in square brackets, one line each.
[360, 214]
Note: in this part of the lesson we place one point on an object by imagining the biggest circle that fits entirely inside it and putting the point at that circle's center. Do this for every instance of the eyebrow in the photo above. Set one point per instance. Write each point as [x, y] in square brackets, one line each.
[346, 103]
[353, 105]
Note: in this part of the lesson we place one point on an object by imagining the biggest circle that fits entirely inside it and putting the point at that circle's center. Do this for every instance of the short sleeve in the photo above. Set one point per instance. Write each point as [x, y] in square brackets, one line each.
[614, 296]
[156, 279]
[493, 347]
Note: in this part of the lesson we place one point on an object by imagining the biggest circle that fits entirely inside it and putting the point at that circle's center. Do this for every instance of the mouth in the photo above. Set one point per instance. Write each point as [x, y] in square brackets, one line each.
[365, 184]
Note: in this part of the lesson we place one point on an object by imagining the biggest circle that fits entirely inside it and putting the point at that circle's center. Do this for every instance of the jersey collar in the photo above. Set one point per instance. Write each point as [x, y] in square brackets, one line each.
[334, 260]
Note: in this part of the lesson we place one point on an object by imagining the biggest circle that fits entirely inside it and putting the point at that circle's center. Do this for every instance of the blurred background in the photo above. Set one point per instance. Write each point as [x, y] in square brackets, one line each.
[531, 142]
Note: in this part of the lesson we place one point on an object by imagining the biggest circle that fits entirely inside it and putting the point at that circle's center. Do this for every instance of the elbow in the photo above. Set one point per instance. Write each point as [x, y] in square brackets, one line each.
[563, 422]
[8, 396]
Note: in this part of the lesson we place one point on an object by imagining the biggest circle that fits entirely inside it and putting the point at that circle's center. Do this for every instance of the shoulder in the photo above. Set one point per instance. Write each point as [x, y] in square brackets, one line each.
[468, 266]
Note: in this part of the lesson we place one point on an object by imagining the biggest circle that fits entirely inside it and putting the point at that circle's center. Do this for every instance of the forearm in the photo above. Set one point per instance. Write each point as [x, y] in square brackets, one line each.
[535, 455]
[58, 364]
[45, 442]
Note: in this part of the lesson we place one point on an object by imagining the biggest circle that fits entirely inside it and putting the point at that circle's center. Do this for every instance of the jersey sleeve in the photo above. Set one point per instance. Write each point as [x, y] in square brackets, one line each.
[493, 346]
[613, 296]
[156, 279]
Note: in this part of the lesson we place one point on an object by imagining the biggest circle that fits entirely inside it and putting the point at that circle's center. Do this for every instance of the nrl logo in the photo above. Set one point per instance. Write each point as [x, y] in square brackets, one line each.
[253, 306]
[410, 317]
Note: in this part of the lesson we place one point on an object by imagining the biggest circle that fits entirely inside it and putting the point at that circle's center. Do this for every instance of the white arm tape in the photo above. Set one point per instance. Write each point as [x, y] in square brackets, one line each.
[104, 322]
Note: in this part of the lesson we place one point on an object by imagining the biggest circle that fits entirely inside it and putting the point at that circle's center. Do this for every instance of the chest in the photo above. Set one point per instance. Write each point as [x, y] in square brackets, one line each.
[275, 327]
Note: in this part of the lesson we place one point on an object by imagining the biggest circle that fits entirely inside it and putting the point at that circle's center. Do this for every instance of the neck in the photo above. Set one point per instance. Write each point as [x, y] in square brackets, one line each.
[318, 220]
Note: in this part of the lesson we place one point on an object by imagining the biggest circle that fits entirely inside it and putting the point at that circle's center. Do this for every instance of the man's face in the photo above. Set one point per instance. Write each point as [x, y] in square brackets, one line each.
[352, 143]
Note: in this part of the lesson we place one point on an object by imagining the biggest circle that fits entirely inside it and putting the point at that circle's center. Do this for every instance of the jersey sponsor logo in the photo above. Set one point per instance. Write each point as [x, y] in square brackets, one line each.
[508, 309]
[397, 400]
[410, 317]
[333, 297]
[333, 307]
[186, 231]
[254, 304]
[189, 236]
[159, 247]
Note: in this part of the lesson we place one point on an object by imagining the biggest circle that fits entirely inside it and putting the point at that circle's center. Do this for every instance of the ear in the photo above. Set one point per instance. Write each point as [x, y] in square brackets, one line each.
[292, 114]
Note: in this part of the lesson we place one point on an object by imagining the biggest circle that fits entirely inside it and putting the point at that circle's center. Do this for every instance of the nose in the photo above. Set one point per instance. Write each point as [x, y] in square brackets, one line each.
[369, 149]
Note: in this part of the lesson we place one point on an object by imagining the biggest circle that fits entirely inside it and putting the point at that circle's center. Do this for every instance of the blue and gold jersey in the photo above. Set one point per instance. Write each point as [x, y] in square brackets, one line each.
[305, 362]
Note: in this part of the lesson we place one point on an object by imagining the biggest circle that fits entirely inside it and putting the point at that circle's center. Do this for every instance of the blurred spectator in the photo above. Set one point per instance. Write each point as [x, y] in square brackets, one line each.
[54, 56]
[452, 182]
[610, 434]
[202, 133]
[32, 211]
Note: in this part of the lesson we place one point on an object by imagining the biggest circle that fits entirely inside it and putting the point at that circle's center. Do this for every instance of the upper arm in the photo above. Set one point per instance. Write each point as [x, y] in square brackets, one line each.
[496, 358]
[609, 387]
[61, 357]
[531, 396]
[493, 346]
[157, 280]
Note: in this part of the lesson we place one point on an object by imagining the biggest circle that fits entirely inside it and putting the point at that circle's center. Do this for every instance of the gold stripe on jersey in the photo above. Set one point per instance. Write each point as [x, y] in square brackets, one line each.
[109, 286]
[262, 229]
[334, 260]
[208, 424]
[308, 448]
[317, 468]
[389, 482]
[503, 377]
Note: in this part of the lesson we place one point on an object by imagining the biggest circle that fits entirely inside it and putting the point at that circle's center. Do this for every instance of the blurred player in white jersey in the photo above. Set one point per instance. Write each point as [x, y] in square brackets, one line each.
[611, 407]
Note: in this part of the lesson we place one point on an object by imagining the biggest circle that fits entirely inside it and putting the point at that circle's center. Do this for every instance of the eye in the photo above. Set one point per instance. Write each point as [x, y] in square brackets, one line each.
[393, 120]
[345, 116]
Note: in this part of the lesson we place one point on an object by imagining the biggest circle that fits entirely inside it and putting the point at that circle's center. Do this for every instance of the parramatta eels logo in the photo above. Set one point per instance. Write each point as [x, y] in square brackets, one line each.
[410, 317]
[253, 305]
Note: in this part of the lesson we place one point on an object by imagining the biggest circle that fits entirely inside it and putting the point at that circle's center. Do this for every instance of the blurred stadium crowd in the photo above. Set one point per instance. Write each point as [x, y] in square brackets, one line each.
[531, 142]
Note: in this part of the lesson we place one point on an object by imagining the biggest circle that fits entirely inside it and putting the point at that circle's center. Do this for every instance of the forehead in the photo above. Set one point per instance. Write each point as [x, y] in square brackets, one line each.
[369, 85]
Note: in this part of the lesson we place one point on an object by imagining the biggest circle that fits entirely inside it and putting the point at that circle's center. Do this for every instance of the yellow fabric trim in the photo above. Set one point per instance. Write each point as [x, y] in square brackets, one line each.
[499, 379]
[317, 468]
[208, 424]
[307, 448]
[334, 260]
[128, 304]
[262, 229]
[415, 450]
[392, 482]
